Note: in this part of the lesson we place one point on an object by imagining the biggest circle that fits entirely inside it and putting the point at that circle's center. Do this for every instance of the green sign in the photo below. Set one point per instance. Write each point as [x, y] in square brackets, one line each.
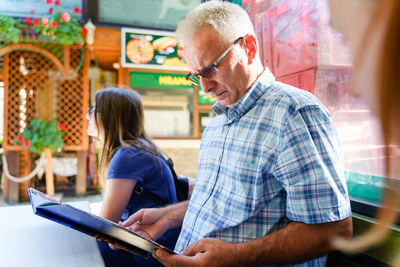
[204, 98]
[151, 49]
[159, 80]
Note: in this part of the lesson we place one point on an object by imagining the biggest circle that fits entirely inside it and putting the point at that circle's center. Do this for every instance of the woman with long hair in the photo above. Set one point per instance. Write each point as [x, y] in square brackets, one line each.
[133, 162]
[373, 31]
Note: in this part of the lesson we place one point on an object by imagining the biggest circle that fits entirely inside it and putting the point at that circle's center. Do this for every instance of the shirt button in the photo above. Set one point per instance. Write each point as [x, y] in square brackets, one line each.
[180, 248]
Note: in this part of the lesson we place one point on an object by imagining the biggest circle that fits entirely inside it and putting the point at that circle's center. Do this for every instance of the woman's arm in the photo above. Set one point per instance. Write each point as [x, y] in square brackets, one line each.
[116, 198]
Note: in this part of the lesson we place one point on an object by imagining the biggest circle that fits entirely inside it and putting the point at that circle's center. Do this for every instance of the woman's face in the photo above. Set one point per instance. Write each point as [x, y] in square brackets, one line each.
[352, 18]
[92, 128]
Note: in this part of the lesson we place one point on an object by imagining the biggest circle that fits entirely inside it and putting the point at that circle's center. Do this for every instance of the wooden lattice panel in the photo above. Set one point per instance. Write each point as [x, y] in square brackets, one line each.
[71, 101]
[23, 85]
[36, 88]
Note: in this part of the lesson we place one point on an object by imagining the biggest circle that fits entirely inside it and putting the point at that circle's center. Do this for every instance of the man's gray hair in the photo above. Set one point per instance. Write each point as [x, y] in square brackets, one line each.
[229, 20]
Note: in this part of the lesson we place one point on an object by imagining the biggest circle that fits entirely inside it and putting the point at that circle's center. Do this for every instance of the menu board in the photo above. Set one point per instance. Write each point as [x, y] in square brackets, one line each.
[151, 49]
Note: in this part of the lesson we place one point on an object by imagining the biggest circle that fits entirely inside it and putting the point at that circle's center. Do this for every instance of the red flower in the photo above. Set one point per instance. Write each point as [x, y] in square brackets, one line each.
[27, 20]
[65, 17]
[77, 10]
[36, 21]
[49, 2]
[50, 10]
[45, 21]
[20, 139]
[84, 31]
[27, 143]
[54, 24]
[61, 126]
[57, 2]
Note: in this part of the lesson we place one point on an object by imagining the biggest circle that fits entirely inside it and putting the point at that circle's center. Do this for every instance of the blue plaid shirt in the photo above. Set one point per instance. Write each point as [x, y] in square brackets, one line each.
[270, 159]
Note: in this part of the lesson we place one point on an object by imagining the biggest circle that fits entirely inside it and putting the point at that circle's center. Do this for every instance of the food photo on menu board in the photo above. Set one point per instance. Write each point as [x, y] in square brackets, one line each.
[151, 49]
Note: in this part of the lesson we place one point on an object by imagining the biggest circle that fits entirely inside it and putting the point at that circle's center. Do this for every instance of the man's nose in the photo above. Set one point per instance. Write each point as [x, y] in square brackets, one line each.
[206, 84]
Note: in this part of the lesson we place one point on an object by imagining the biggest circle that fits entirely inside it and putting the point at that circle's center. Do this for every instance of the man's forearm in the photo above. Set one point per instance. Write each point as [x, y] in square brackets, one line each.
[175, 213]
[297, 242]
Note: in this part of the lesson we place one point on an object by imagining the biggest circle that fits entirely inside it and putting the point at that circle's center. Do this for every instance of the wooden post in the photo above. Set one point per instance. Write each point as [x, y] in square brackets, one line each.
[10, 190]
[49, 172]
[19, 165]
[80, 186]
[24, 170]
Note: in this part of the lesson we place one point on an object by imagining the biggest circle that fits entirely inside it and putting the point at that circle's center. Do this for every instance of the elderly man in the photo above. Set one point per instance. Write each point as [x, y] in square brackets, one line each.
[270, 186]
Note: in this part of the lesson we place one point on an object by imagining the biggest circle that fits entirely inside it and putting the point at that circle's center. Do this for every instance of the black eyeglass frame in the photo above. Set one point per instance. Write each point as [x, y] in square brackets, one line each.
[211, 70]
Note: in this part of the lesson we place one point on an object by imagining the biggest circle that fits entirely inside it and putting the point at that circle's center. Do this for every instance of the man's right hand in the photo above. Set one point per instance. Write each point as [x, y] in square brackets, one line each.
[153, 223]
[150, 223]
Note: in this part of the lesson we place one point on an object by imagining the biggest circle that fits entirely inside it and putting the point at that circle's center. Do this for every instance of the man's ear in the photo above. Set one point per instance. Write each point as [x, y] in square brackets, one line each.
[250, 43]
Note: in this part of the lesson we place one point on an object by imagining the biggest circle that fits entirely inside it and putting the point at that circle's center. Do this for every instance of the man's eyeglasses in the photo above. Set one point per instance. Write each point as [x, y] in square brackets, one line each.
[211, 70]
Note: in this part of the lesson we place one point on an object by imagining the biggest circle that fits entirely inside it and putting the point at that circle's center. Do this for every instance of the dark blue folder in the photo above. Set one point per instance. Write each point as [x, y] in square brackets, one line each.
[100, 228]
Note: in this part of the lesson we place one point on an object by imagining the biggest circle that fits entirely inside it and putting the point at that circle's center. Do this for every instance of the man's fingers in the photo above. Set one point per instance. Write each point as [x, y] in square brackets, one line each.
[168, 259]
[142, 232]
[162, 256]
[191, 250]
[132, 219]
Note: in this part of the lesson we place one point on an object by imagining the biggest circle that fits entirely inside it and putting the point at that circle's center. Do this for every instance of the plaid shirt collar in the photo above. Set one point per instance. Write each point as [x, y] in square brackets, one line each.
[256, 90]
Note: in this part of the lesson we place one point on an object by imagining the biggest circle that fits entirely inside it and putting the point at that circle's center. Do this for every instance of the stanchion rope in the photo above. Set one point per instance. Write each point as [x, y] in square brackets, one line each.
[39, 166]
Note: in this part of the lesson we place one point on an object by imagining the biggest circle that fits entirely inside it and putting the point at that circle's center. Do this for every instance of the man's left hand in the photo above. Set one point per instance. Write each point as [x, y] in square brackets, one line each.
[205, 252]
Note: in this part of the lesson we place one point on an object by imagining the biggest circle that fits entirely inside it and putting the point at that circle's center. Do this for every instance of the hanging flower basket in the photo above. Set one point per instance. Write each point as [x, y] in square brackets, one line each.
[60, 27]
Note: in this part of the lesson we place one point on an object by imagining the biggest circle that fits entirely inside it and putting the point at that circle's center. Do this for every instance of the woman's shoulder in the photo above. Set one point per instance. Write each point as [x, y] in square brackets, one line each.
[132, 153]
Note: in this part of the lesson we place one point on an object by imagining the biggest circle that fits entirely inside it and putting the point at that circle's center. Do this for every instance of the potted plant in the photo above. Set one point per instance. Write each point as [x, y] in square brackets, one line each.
[43, 137]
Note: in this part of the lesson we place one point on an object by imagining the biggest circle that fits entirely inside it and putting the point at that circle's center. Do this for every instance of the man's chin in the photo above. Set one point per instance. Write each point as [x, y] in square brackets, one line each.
[225, 102]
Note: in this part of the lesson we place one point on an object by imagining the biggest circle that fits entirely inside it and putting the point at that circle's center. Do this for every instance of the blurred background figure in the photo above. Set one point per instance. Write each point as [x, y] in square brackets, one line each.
[373, 31]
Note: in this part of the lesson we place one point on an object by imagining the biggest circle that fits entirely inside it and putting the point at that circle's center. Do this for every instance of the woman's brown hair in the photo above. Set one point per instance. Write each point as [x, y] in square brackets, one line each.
[388, 109]
[119, 113]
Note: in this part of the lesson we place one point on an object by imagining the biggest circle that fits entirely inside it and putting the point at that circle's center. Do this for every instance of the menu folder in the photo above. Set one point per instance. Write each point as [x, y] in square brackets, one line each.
[87, 223]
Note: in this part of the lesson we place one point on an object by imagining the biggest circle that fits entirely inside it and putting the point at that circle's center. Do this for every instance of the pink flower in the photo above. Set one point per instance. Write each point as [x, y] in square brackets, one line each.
[20, 139]
[54, 24]
[49, 2]
[84, 31]
[27, 20]
[61, 126]
[36, 21]
[27, 143]
[65, 17]
[45, 21]
[77, 10]
[57, 2]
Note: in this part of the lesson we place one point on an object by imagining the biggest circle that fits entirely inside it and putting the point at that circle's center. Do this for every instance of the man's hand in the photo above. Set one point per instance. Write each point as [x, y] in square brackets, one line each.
[150, 223]
[153, 223]
[205, 252]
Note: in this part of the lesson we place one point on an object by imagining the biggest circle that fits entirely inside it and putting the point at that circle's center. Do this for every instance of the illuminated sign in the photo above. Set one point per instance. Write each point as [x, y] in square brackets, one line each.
[151, 50]
[159, 80]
